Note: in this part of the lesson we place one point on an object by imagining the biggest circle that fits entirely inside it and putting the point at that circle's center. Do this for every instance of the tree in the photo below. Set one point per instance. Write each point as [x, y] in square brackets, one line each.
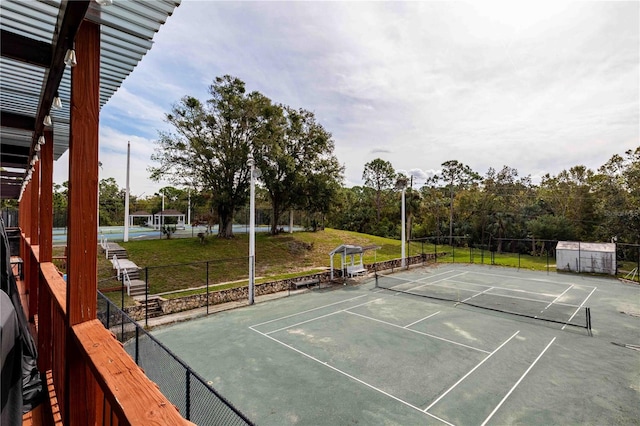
[295, 156]
[455, 176]
[210, 145]
[111, 202]
[379, 175]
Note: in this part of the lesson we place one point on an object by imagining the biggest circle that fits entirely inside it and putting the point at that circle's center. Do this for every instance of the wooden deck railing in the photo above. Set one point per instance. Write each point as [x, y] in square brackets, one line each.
[117, 389]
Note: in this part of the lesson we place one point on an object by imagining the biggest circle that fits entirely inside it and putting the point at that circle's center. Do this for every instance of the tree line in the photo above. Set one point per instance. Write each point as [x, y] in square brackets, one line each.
[576, 204]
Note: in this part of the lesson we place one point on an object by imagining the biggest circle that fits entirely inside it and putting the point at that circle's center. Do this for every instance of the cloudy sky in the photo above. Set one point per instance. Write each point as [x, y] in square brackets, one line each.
[539, 86]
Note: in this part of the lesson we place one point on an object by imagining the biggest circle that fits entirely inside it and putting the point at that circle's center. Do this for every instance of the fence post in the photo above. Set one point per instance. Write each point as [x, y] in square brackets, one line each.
[122, 305]
[435, 250]
[453, 253]
[146, 296]
[108, 315]
[207, 287]
[188, 395]
[548, 257]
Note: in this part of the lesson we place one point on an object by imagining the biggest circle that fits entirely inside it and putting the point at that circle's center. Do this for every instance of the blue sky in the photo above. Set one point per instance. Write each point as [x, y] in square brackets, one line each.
[537, 86]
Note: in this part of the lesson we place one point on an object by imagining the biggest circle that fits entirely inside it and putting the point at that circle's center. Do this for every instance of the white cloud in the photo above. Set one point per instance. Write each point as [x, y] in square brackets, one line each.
[538, 86]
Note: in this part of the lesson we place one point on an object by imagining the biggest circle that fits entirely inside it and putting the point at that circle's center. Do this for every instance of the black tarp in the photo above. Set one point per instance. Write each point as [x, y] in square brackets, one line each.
[32, 384]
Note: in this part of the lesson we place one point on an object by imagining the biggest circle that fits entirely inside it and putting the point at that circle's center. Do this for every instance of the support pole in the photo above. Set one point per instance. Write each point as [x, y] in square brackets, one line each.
[126, 196]
[404, 260]
[252, 228]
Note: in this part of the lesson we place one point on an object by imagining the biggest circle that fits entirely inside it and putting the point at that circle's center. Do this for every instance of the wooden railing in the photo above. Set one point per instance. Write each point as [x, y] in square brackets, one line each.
[116, 389]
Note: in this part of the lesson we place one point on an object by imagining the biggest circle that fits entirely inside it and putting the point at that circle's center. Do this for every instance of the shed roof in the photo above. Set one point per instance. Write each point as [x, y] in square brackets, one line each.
[580, 246]
[169, 212]
[346, 249]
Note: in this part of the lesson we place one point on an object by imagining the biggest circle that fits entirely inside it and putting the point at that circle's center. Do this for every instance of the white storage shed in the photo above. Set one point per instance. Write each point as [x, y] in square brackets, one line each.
[576, 256]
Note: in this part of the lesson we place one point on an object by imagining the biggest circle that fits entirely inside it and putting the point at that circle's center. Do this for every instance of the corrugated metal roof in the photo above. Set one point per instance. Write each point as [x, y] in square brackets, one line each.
[580, 246]
[127, 30]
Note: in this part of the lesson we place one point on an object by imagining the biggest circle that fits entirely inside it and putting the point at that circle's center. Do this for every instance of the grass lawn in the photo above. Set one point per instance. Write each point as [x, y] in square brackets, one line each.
[186, 264]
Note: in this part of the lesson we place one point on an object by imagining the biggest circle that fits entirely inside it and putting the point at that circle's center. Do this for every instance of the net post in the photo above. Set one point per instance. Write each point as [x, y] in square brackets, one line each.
[588, 315]
[137, 359]
[376, 275]
[108, 316]
[188, 395]
[207, 288]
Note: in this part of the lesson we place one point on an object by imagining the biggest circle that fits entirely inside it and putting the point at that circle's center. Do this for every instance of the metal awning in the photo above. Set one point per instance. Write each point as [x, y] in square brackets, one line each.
[35, 36]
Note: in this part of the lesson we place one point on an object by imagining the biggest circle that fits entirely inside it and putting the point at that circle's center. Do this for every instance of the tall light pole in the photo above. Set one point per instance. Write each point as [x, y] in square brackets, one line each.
[126, 197]
[401, 183]
[252, 227]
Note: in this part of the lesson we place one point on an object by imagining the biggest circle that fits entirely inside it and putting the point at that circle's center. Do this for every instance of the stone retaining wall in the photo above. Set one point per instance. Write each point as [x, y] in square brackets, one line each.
[170, 306]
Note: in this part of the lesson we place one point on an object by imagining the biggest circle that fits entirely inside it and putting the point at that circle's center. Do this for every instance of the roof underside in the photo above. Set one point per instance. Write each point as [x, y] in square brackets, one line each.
[35, 35]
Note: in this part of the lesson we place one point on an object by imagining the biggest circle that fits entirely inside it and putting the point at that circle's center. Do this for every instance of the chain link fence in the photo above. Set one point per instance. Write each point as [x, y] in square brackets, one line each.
[511, 252]
[196, 400]
[526, 253]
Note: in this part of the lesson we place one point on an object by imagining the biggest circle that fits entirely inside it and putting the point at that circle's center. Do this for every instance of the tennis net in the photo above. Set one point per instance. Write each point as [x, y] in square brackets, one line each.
[529, 307]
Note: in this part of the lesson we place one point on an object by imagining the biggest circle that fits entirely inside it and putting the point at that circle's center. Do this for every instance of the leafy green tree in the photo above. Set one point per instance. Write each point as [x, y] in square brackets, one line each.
[381, 176]
[455, 176]
[296, 160]
[111, 205]
[210, 143]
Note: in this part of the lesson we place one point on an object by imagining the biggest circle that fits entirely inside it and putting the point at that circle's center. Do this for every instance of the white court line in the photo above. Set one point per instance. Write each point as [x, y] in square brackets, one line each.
[352, 377]
[509, 296]
[556, 299]
[477, 294]
[472, 370]
[415, 322]
[437, 275]
[437, 281]
[497, 287]
[524, 278]
[309, 310]
[583, 302]
[322, 316]
[418, 332]
[517, 383]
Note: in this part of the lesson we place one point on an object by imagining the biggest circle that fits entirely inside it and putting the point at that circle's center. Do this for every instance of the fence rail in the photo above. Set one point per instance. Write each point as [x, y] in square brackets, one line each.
[195, 399]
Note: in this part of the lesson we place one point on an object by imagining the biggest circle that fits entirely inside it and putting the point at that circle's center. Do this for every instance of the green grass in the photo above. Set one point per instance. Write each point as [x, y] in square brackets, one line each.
[223, 260]
[185, 263]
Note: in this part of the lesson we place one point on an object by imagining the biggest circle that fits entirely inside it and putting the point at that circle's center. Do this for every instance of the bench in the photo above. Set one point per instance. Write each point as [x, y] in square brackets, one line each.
[356, 270]
[306, 283]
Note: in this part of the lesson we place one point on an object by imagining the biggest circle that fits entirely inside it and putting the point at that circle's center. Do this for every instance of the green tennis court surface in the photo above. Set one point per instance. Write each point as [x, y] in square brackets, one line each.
[372, 356]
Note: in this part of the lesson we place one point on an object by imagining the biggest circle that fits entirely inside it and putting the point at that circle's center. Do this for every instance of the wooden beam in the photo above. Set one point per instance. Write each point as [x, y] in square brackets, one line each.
[34, 275]
[134, 399]
[10, 158]
[70, 17]
[6, 174]
[17, 121]
[46, 198]
[82, 237]
[25, 49]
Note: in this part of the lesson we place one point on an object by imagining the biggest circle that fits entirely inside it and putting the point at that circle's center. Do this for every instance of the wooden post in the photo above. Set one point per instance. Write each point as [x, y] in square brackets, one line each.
[35, 205]
[46, 247]
[46, 198]
[79, 404]
[34, 276]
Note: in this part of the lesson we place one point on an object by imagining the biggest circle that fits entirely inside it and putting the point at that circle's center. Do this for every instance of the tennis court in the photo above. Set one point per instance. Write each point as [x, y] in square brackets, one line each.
[370, 355]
